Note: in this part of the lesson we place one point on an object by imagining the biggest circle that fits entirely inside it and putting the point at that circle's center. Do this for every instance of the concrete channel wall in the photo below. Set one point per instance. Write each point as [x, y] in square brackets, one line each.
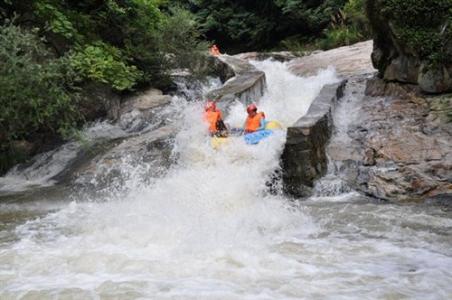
[304, 157]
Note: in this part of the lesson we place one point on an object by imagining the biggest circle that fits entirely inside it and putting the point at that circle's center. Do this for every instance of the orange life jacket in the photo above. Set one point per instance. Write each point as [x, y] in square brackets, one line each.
[212, 118]
[253, 123]
[214, 50]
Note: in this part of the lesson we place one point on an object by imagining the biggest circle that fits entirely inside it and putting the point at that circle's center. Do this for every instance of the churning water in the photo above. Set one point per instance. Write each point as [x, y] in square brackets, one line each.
[209, 229]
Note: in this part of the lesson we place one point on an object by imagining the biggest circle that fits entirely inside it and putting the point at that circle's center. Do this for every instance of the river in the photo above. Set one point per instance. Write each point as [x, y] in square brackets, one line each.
[211, 228]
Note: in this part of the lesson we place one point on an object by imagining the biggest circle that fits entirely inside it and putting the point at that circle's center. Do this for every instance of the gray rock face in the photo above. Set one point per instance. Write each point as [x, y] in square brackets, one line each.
[103, 102]
[137, 111]
[403, 57]
[247, 86]
[304, 157]
[348, 61]
[148, 153]
[394, 147]
[434, 80]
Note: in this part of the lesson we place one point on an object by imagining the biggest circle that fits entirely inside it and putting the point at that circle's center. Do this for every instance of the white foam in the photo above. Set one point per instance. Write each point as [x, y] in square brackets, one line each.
[209, 229]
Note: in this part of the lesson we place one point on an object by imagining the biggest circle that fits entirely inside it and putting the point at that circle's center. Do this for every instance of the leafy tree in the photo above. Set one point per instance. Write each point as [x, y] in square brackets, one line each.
[314, 15]
[37, 93]
[103, 63]
[120, 44]
[240, 25]
[257, 24]
[347, 26]
[424, 27]
[180, 39]
[127, 37]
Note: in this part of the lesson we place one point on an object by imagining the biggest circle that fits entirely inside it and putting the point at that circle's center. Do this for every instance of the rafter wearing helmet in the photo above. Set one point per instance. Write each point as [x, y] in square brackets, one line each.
[255, 120]
[214, 119]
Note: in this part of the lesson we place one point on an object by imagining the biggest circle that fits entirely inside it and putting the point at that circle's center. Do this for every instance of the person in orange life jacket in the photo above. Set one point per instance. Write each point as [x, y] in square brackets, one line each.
[214, 51]
[255, 120]
[214, 119]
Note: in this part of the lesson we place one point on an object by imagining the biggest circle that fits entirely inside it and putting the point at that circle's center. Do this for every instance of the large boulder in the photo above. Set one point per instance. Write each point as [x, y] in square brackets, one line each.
[247, 85]
[147, 154]
[347, 61]
[395, 147]
[413, 42]
[138, 111]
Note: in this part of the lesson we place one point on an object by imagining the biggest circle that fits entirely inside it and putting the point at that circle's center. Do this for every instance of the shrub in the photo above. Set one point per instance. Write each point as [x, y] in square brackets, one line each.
[422, 26]
[180, 39]
[354, 12]
[104, 63]
[37, 93]
[341, 36]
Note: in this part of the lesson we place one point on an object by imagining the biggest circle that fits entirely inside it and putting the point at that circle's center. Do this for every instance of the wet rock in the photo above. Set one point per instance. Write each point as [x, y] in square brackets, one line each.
[401, 184]
[113, 108]
[348, 61]
[282, 56]
[369, 157]
[145, 101]
[442, 200]
[441, 109]
[377, 87]
[137, 111]
[248, 84]
[435, 80]
[404, 69]
[148, 153]
[402, 57]
[219, 68]
[100, 101]
[406, 154]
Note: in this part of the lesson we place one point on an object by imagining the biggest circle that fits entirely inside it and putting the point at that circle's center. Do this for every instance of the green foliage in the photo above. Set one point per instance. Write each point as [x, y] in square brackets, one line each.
[104, 63]
[293, 24]
[116, 42]
[37, 92]
[423, 26]
[354, 10]
[180, 39]
[340, 36]
[349, 25]
[239, 25]
[298, 45]
[124, 44]
[57, 22]
[315, 14]
[113, 44]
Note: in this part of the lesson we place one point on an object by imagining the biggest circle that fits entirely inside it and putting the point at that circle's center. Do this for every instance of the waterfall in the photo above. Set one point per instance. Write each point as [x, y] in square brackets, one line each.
[208, 228]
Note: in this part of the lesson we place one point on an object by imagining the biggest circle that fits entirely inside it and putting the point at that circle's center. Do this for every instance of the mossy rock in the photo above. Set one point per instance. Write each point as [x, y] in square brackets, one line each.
[413, 41]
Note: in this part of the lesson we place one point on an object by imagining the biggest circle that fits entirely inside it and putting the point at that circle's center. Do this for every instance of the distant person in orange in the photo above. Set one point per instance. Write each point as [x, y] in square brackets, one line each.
[214, 50]
[255, 120]
[214, 119]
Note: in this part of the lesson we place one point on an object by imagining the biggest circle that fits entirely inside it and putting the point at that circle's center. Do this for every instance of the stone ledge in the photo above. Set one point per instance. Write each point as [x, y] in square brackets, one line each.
[248, 84]
[304, 157]
[348, 61]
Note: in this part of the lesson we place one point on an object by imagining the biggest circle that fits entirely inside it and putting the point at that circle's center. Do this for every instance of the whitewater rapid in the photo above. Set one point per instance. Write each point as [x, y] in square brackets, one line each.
[210, 229]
